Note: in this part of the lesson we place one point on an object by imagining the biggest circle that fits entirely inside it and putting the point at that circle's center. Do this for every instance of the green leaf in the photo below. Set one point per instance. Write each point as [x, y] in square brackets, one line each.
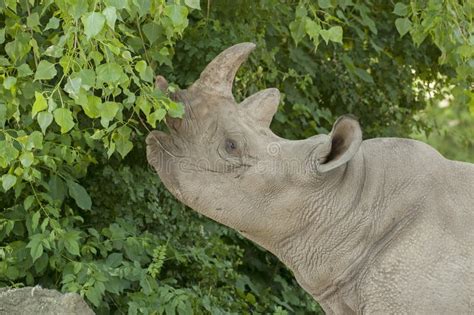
[9, 82]
[11, 4]
[4, 61]
[26, 159]
[93, 24]
[194, 4]
[53, 24]
[301, 11]
[312, 28]
[8, 181]
[35, 219]
[71, 242]
[366, 20]
[177, 14]
[28, 202]
[33, 20]
[94, 296]
[92, 106]
[18, 48]
[176, 110]
[403, 25]
[80, 195]
[114, 260]
[87, 78]
[122, 141]
[35, 141]
[108, 110]
[54, 51]
[143, 6]
[36, 246]
[333, 34]
[145, 72]
[45, 71]
[44, 120]
[140, 66]
[39, 105]
[157, 115]
[41, 264]
[3, 116]
[76, 9]
[364, 75]
[400, 9]
[24, 70]
[73, 86]
[110, 14]
[8, 152]
[297, 30]
[324, 4]
[12, 272]
[152, 31]
[57, 188]
[63, 117]
[471, 103]
[110, 73]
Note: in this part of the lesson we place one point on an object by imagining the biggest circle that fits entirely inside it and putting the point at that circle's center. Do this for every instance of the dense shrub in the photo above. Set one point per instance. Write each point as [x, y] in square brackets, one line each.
[81, 211]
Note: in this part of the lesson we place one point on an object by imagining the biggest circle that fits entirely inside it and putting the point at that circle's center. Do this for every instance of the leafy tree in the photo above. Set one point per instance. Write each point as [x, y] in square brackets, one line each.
[81, 211]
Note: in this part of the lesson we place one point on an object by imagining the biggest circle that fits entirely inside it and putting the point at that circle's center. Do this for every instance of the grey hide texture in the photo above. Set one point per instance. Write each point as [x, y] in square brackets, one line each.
[381, 226]
[38, 301]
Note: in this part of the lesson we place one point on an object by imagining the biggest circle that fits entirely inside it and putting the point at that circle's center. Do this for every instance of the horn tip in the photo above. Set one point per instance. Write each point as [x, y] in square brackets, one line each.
[246, 46]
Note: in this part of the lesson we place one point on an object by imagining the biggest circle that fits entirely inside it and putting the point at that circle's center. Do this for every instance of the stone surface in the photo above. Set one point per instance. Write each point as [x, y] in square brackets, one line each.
[39, 301]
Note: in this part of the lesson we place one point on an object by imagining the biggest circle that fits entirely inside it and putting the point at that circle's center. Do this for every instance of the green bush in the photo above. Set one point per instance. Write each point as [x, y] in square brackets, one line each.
[81, 211]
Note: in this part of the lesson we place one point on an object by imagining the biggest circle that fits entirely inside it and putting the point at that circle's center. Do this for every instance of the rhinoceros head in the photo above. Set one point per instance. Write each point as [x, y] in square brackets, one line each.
[222, 160]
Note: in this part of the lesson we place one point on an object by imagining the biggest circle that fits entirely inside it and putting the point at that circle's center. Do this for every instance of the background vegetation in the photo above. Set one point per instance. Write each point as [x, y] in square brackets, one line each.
[80, 209]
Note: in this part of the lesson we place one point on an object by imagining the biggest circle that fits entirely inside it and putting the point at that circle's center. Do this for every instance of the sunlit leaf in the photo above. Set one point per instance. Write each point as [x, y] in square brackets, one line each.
[44, 120]
[110, 73]
[9, 82]
[195, 4]
[26, 159]
[400, 9]
[110, 14]
[53, 23]
[93, 24]
[63, 117]
[45, 70]
[39, 105]
[403, 26]
[8, 181]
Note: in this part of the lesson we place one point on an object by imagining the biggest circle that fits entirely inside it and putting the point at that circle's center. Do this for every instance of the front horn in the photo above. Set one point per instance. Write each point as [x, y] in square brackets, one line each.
[219, 74]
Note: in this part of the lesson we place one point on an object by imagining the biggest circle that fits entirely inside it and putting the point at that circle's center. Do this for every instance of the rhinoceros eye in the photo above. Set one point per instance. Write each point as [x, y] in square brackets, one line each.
[230, 146]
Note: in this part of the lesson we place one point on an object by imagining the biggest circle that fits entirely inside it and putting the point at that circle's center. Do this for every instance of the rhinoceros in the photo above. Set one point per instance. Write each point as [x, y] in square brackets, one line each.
[376, 226]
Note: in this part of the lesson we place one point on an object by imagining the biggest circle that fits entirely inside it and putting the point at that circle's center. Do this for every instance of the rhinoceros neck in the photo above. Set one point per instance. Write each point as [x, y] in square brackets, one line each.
[341, 226]
[326, 243]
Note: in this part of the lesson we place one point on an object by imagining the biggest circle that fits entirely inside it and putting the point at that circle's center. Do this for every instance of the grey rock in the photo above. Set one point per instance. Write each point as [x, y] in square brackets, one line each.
[39, 301]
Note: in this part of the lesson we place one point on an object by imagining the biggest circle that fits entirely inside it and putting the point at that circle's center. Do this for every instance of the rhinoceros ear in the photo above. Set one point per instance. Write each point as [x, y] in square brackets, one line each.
[161, 83]
[344, 142]
[262, 105]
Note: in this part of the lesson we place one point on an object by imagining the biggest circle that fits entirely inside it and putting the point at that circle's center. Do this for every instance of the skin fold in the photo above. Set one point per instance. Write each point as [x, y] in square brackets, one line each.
[380, 226]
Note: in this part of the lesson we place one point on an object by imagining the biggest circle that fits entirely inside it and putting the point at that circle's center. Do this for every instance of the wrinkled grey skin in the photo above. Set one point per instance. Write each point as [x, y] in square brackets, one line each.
[38, 301]
[379, 226]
